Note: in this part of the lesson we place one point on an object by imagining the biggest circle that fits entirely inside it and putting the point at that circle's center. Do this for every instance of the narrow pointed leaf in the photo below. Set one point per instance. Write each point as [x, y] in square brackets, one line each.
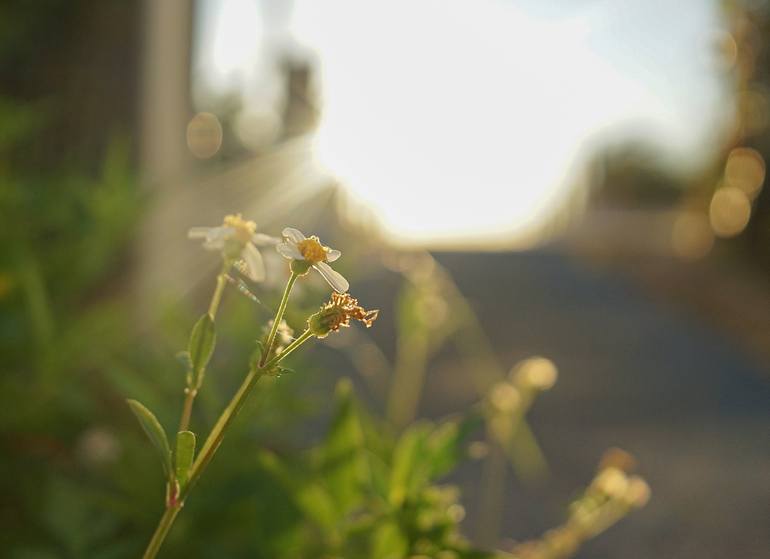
[201, 346]
[185, 453]
[155, 433]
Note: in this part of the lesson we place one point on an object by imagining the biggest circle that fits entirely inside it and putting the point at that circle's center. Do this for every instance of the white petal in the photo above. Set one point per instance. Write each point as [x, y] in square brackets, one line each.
[294, 235]
[290, 251]
[335, 279]
[333, 255]
[219, 234]
[216, 244]
[260, 239]
[198, 232]
[254, 266]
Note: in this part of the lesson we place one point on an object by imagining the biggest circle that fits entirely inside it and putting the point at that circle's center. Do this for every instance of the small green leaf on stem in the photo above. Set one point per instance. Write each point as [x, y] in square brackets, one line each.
[201, 346]
[184, 358]
[185, 453]
[155, 433]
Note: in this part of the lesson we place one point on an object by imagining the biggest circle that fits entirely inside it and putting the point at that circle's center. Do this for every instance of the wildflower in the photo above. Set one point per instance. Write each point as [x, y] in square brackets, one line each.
[337, 313]
[307, 252]
[236, 239]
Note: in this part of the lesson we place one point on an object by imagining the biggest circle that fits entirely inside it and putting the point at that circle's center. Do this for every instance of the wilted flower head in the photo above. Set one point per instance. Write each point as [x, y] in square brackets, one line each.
[337, 313]
[236, 239]
[308, 252]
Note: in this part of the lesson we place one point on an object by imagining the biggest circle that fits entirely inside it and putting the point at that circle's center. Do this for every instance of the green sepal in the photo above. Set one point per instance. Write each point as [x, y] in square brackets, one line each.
[185, 453]
[300, 267]
[202, 341]
[155, 433]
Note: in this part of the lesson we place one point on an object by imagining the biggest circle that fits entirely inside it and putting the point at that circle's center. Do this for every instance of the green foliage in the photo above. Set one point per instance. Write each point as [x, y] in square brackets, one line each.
[365, 493]
[184, 455]
[201, 347]
[155, 433]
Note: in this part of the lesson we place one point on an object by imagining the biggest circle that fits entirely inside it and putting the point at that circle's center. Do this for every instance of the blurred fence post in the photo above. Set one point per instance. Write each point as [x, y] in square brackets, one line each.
[164, 159]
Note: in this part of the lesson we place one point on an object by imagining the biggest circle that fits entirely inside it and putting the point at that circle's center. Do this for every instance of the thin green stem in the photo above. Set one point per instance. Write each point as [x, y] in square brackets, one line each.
[189, 398]
[305, 336]
[278, 316]
[230, 413]
[191, 391]
[220, 288]
[166, 521]
[217, 433]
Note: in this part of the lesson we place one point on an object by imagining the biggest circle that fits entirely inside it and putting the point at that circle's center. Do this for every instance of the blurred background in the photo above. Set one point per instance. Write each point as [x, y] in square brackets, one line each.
[582, 180]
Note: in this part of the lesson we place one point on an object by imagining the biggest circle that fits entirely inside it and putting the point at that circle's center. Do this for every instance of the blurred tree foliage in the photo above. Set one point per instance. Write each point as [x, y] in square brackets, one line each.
[68, 201]
[751, 27]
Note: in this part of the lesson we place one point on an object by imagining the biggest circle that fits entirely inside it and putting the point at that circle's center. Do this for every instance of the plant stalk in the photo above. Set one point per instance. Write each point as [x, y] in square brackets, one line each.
[166, 521]
[217, 433]
[190, 392]
[278, 317]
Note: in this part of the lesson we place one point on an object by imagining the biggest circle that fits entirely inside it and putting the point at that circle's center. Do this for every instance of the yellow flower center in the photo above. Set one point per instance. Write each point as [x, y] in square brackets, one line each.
[312, 250]
[244, 230]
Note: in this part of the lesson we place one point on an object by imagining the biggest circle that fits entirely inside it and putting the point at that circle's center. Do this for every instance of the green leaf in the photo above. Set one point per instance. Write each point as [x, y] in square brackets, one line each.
[155, 433]
[185, 452]
[389, 542]
[202, 341]
[408, 471]
[446, 443]
[310, 496]
[184, 359]
[343, 463]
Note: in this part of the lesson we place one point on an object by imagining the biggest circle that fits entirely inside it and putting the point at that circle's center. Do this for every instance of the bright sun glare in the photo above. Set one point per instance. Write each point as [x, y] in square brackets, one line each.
[459, 122]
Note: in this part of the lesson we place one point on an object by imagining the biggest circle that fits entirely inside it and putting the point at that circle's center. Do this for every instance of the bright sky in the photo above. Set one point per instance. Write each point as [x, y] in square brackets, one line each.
[459, 122]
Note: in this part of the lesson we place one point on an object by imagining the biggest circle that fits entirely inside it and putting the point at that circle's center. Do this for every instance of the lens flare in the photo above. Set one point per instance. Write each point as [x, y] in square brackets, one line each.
[729, 211]
[204, 135]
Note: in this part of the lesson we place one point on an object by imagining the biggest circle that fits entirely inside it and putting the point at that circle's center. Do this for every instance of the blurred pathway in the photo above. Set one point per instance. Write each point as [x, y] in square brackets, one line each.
[634, 373]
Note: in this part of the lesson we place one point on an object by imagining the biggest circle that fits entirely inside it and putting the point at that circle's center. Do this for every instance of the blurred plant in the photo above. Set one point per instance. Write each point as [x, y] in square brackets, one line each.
[235, 239]
[64, 233]
[609, 497]
[425, 324]
[364, 491]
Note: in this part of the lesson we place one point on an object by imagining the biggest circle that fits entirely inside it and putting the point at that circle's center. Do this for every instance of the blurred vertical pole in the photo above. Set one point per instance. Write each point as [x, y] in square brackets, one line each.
[164, 160]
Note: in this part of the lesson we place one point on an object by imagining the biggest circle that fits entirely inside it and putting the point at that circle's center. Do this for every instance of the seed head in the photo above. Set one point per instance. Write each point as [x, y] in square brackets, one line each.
[337, 313]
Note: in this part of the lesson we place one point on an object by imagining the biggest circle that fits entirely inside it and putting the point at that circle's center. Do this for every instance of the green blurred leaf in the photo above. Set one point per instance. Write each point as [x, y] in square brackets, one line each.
[446, 444]
[184, 359]
[201, 346]
[389, 541]
[314, 501]
[155, 433]
[406, 473]
[343, 463]
[185, 453]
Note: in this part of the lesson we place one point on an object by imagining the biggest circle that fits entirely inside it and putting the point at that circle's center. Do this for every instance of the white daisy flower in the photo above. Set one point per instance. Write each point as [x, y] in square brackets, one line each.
[310, 251]
[236, 238]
